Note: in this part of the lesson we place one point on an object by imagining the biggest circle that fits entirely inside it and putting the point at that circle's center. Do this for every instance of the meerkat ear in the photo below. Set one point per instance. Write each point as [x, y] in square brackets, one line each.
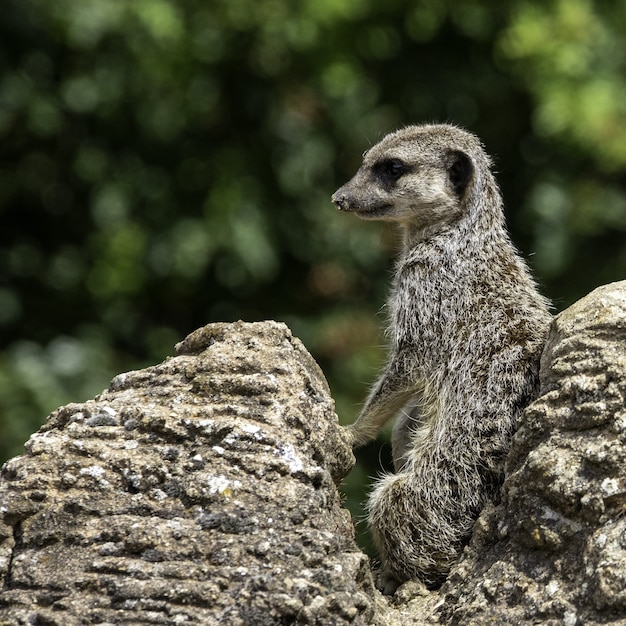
[460, 170]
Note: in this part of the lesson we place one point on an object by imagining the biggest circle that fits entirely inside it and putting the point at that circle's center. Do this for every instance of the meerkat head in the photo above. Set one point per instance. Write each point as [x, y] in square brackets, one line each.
[418, 176]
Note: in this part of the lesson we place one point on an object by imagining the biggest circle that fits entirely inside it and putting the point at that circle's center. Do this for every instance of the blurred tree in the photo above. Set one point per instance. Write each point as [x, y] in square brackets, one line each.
[166, 164]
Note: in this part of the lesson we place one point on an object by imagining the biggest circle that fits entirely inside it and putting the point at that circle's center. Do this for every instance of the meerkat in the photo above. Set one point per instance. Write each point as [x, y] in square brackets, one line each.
[467, 327]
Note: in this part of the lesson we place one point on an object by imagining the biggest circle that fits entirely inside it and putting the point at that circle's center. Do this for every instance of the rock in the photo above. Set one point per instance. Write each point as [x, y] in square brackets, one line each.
[202, 491]
[199, 491]
[554, 550]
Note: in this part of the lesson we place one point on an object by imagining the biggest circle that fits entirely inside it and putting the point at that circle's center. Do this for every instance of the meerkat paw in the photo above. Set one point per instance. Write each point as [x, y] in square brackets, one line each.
[358, 435]
[351, 435]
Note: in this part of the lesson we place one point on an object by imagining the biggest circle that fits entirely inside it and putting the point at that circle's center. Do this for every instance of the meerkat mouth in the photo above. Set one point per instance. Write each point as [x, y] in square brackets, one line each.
[374, 212]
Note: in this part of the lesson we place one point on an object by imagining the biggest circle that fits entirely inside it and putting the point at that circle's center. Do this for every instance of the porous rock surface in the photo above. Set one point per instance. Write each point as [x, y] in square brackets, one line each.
[199, 491]
[554, 550]
[202, 491]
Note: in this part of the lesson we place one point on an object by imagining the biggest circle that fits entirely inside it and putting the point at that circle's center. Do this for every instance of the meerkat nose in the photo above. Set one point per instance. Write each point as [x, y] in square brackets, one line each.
[340, 200]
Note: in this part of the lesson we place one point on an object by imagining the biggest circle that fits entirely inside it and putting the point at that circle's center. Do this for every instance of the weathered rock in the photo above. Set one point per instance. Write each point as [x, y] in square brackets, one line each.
[199, 491]
[554, 550]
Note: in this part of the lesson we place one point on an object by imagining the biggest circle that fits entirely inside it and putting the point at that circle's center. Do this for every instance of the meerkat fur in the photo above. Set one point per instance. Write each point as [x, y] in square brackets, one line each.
[467, 327]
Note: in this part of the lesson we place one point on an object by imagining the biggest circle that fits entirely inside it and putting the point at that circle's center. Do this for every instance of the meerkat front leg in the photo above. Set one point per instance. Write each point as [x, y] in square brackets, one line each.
[390, 393]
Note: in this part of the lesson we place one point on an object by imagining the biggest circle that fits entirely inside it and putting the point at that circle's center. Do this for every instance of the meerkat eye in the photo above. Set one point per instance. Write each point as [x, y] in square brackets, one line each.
[390, 170]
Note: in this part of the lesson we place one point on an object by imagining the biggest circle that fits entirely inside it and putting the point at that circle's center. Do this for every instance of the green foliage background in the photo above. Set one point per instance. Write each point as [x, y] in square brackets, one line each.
[168, 163]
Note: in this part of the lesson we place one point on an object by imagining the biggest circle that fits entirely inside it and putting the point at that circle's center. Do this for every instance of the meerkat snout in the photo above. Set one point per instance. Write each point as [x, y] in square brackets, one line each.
[341, 200]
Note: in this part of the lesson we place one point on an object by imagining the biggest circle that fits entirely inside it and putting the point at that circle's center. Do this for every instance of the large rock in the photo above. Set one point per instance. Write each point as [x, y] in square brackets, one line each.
[199, 491]
[554, 550]
[202, 491]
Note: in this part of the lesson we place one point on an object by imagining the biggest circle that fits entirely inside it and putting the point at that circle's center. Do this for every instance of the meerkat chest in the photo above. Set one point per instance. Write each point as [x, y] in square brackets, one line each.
[431, 311]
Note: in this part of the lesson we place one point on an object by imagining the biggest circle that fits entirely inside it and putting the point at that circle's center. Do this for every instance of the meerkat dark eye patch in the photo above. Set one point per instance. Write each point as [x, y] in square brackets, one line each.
[388, 171]
[459, 171]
